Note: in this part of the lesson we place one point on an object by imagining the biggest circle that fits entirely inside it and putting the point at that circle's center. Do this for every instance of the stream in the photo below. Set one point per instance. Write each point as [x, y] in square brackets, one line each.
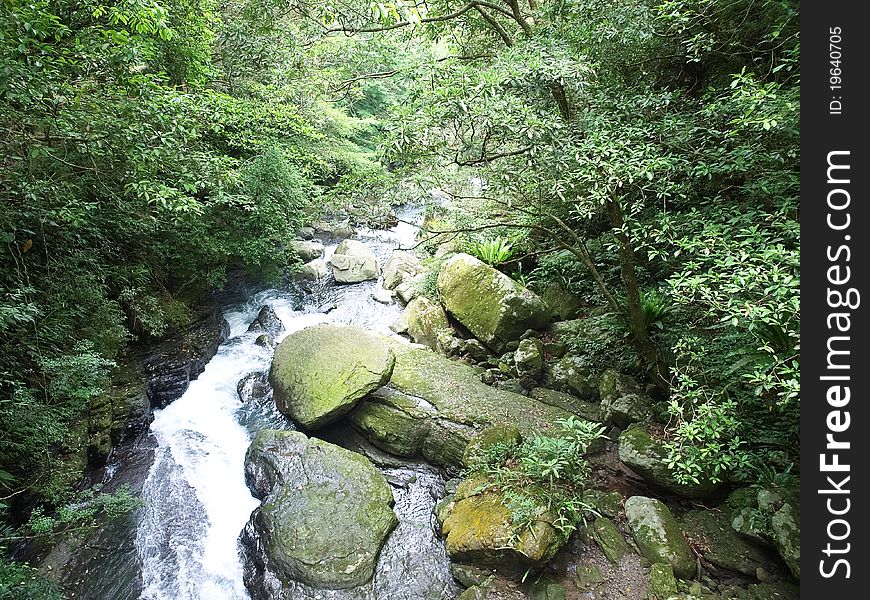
[195, 499]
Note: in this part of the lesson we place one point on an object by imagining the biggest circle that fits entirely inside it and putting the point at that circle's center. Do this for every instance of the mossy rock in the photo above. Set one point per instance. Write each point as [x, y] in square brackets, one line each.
[581, 408]
[392, 421]
[486, 439]
[544, 590]
[426, 320]
[622, 402]
[610, 539]
[326, 511]
[658, 536]
[320, 373]
[599, 341]
[479, 531]
[662, 583]
[563, 303]
[573, 375]
[529, 358]
[785, 524]
[648, 457]
[720, 545]
[492, 306]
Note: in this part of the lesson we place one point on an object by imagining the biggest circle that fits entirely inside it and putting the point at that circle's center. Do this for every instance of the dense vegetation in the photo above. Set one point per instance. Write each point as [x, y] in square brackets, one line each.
[641, 154]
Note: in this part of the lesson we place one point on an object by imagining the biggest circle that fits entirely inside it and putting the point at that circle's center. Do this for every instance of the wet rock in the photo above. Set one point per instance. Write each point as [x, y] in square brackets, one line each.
[267, 322]
[307, 250]
[529, 358]
[622, 402]
[400, 325]
[581, 408]
[334, 230]
[658, 536]
[254, 387]
[426, 320]
[480, 444]
[319, 373]
[393, 422]
[648, 457]
[313, 270]
[383, 296]
[609, 539]
[326, 511]
[401, 267]
[479, 531]
[353, 262]
[495, 308]
[265, 340]
[175, 362]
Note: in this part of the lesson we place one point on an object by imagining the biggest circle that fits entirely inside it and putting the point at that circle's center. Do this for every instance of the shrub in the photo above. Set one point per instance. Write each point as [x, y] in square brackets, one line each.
[493, 251]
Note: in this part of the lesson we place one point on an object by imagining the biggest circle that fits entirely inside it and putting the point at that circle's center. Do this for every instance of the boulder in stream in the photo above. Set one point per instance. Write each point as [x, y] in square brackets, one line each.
[426, 319]
[307, 250]
[319, 373]
[401, 266]
[267, 321]
[353, 262]
[326, 511]
[495, 308]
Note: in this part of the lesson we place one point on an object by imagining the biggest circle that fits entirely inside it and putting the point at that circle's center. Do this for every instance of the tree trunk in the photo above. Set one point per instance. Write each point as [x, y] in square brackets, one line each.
[634, 311]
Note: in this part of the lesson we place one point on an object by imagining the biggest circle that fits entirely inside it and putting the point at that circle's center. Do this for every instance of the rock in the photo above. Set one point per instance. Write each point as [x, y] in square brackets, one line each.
[543, 590]
[267, 321]
[443, 508]
[622, 402]
[658, 536]
[720, 545]
[475, 592]
[334, 230]
[305, 233]
[400, 325]
[410, 288]
[588, 576]
[529, 358]
[609, 539]
[662, 583]
[608, 504]
[326, 511]
[426, 319]
[447, 343]
[555, 349]
[599, 340]
[785, 524]
[495, 308]
[383, 296]
[265, 340]
[353, 262]
[648, 457]
[175, 362]
[455, 405]
[504, 435]
[469, 575]
[780, 590]
[319, 373]
[401, 266]
[573, 375]
[474, 350]
[307, 250]
[393, 422]
[514, 386]
[562, 303]
[314, 270]
[587, 410]
[479, 531]
[253, 387]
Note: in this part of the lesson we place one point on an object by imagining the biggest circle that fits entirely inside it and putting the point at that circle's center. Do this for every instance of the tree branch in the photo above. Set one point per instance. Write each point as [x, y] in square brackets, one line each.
[437, 19]
[488, 159]
[503, 34]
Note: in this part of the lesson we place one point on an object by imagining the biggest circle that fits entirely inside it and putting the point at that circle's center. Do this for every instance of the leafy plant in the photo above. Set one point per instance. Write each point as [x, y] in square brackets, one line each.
[492, 251]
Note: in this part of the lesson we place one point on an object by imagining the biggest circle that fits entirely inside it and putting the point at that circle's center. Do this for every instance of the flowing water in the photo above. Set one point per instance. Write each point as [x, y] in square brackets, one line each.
[196, 501]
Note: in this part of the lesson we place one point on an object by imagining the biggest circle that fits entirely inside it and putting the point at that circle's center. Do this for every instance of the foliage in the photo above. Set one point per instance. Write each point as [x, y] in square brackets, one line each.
[492, 251]
[543, 472]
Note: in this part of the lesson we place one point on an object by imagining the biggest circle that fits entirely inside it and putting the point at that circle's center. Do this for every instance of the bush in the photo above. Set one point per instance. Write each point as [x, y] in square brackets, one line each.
[494, 251]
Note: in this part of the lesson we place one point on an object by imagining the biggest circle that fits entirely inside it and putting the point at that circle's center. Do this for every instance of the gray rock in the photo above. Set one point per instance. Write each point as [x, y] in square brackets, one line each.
[622, 402]
[573, 375]
[383, 296]
[658, 536]
[305, 233]
[426, 320]
[326, 511]
[400, 267]
[313, 270]
[529, 358]
[307, 250]
[353, 262]
[267, 321]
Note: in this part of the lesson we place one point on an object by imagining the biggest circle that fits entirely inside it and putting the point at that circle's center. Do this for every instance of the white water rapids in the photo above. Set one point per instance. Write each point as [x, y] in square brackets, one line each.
[196, 500]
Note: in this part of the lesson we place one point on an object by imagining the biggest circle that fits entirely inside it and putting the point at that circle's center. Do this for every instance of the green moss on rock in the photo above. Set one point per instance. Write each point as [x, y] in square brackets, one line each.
[609, 539]
[658, 536]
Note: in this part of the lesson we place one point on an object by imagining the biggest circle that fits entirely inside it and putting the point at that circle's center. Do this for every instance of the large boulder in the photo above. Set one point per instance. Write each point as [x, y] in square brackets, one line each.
[353, 262]
[658, 536]
[495, 308]
[479, 530]
[326, 511]
[573, 375]
[622, 401]
[307, 250]
[321, 372]
[393, 421]
[588, 410]
[426, 319]
[609, 539]
[648, 457]
[401, 267]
